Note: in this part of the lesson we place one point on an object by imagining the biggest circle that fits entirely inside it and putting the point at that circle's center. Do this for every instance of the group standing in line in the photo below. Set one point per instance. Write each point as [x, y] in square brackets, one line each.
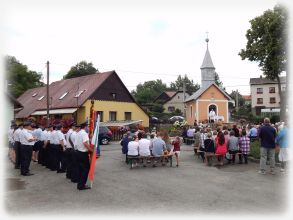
[50, 147]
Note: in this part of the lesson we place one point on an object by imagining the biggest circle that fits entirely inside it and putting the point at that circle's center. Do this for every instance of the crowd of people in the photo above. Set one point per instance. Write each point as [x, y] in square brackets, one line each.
[50, 147]
[273, 138]
[154, 144]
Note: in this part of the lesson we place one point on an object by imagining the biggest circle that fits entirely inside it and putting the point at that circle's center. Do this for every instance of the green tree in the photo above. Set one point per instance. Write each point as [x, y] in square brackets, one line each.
[218, 81]
[19, 77]
[241, 100]
[146, 93]
[83, 68]
[266, 43]
[190, 86]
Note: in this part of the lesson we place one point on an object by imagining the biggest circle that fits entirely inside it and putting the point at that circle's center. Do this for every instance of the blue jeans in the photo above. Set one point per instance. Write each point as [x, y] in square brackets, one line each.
[264, 154]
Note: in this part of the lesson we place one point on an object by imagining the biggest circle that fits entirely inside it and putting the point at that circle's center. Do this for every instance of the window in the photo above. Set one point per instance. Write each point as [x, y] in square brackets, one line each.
[259, 101]
[259, 90]
[113, 95]
[41, 98]
[101, 115]
[61, 97]
[283, 88]
[79, 93]
[34, 94]
[112, 116]
[272, 90]
[127, 115]
[272, 100]
[171, 109]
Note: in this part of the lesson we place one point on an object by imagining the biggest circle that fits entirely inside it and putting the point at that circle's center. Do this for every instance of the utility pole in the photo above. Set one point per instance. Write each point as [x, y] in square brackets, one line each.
[184, 110]
[48, 97]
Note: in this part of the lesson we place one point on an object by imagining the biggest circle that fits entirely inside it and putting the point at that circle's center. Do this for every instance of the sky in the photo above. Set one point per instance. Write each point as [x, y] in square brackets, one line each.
[141, 41]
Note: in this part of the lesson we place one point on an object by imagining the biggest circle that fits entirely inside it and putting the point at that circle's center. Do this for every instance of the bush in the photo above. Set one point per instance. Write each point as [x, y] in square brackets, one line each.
[255, 149]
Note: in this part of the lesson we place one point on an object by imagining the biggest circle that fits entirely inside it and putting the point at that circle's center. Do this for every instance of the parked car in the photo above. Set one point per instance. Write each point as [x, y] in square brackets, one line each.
[154, 120]
[105, 135]
[176, 118]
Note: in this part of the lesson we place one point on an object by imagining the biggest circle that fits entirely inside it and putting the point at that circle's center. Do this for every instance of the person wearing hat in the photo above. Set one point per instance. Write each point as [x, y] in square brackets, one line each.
[69, 152]
[83, 148]
[27, 141]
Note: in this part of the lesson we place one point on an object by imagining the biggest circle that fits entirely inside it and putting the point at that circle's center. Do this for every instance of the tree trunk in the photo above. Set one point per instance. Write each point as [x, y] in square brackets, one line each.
[282, 101]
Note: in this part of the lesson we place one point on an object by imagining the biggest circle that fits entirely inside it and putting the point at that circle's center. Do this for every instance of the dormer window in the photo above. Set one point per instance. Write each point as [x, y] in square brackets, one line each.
[113, 95]
[79, 93]
[61, 97]
[41, 98]
[35, 94]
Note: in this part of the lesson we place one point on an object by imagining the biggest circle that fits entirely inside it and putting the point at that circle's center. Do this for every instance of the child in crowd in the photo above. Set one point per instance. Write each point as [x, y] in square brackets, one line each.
[176, 149]
[244, 145]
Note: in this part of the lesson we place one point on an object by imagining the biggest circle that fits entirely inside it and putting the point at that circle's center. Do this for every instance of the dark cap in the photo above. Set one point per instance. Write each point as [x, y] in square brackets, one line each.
[84, 124]
[59, 126]
[27, 123]
[73, 124]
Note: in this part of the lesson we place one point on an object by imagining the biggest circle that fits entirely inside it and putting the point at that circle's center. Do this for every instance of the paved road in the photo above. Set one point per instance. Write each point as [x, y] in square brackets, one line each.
[193, 188]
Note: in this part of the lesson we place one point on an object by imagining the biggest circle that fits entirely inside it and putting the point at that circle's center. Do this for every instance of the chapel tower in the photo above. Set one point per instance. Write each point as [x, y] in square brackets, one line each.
[208, 73]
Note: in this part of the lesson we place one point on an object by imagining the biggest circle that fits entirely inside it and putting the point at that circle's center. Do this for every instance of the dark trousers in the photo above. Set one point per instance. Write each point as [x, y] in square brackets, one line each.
[17, 154]
[41, 152]
[233, 153]
[83, 167]
[53, 161]
[75, 174]
[245, 158]
[60, 158]
[26, 156]
[68, 162]
[49, 150]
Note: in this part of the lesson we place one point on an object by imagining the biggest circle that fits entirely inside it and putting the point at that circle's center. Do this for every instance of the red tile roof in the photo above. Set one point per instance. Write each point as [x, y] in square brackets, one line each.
[246, 97]
[170, 93]
[88, 83]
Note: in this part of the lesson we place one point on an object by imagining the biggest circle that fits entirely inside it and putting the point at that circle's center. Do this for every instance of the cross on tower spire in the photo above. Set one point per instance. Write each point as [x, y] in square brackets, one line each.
[207, 39]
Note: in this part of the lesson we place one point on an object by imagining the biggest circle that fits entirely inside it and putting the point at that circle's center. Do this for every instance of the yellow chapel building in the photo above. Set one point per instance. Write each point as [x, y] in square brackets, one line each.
[208, 97]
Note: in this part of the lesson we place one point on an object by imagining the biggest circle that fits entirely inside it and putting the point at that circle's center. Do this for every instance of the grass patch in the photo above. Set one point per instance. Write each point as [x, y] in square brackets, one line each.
[255, 149]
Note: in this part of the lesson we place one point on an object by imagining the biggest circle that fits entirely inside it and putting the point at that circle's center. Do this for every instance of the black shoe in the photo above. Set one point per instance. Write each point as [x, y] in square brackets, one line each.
[84, 188]
[27, 174]
[60, 171]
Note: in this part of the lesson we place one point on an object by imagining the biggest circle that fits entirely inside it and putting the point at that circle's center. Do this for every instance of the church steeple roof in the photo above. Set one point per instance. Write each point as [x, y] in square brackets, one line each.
[207, 61]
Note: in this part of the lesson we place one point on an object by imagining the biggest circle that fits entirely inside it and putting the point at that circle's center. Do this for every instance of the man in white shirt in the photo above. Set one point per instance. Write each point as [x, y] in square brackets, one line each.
[27, 141]
[17, 145]
[53, 149]
[37, 132]
[144, 148]
[69, 152]
[82, 149]
[43, 138]
[61, 143]
[11, 152]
